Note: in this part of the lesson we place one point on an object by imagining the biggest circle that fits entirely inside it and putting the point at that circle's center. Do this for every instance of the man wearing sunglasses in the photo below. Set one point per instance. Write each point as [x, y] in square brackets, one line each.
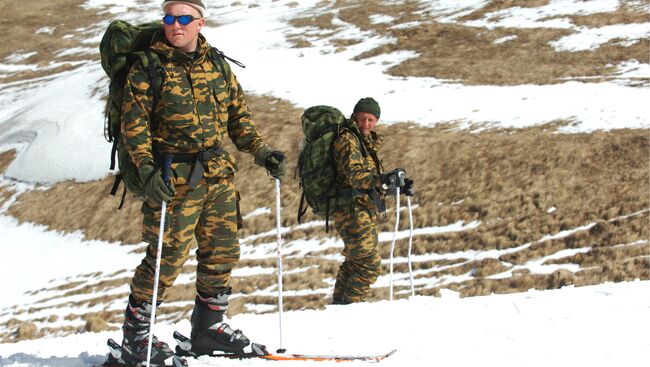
[199, 105]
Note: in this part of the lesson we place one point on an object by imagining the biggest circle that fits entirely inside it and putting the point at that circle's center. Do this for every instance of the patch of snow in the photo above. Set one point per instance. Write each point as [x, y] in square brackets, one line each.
[47, 30]
[381, 18]
[592, 38]
[504, 39]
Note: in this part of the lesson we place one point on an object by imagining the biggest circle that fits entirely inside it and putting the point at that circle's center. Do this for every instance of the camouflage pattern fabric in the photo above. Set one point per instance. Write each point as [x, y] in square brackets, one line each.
[197, 110]
[353, 169]
[356, 222]
[357, 226]
[207, 213]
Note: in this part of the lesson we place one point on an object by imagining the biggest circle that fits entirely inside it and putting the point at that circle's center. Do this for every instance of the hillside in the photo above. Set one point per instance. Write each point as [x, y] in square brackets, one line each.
[521, 123]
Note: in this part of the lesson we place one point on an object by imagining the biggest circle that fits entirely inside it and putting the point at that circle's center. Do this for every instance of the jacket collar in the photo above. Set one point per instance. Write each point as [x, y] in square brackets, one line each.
[165, 50]
[375, 139]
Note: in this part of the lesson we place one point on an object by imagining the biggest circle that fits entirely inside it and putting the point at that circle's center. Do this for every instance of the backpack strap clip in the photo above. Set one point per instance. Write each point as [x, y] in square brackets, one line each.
[217, 54]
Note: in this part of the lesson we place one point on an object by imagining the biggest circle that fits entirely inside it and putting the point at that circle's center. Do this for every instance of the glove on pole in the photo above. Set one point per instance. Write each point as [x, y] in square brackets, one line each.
[161, 234]
[279, 239]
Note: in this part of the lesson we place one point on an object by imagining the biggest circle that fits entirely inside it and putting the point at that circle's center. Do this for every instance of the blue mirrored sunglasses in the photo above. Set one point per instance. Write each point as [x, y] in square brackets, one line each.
[182, 19]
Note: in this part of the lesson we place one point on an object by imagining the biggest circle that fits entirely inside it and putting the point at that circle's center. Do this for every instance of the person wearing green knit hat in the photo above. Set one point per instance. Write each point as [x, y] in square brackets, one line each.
[361, 188]
[366, 114]
[368, 104]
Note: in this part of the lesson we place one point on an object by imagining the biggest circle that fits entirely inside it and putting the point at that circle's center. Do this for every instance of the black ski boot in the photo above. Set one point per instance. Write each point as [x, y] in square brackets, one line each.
[136, 336]
[209, 333]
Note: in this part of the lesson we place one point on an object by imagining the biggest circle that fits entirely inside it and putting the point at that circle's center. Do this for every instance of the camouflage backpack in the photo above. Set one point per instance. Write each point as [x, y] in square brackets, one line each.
[122, 45]
[318, 178]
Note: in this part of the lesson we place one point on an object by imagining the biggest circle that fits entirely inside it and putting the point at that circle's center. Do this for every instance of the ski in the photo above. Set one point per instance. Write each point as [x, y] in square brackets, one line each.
[334, 358]
[308, 357]
[184, 349]
[115, 359]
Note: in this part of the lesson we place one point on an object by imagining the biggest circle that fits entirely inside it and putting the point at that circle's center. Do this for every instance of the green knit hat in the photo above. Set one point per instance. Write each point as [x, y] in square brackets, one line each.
[368, 105]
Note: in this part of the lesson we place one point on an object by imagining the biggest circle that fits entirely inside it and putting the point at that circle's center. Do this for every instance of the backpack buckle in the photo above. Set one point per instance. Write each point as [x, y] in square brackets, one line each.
[203, 156]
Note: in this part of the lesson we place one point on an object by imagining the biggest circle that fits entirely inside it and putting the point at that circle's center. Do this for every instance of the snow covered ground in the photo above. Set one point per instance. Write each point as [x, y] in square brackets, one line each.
[61, 118]
[604, 325]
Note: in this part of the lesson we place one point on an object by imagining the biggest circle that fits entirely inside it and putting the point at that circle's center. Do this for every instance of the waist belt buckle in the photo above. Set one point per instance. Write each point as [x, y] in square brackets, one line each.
[204, 156]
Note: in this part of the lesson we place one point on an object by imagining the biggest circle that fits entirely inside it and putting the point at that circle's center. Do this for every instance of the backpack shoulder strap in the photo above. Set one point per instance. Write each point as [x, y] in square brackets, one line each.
[215, 53]
[153, 66]
[217, 57]
[364, 151]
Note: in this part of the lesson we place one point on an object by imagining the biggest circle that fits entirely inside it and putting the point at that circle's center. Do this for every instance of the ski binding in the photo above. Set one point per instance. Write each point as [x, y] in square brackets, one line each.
[184, 349]
[115, 358]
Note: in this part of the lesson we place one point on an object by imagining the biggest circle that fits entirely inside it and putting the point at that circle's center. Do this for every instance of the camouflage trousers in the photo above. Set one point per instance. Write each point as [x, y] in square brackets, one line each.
[207, 214]
[357, 226]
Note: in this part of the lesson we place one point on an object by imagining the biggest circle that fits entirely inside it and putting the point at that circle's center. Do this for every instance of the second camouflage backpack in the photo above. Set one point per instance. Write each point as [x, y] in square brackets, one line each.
[318, 179]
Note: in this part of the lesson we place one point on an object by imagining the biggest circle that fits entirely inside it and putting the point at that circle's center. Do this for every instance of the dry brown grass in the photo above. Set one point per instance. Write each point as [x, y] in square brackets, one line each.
[70, 205]
[607, 260]
[601, 237]
[93, 288]
[625, 14]
[468, 54]
[66, 16]
[505, 179]
[498, 5]
[528, 59]
[5, 160]
[94, 322]
[618, 271]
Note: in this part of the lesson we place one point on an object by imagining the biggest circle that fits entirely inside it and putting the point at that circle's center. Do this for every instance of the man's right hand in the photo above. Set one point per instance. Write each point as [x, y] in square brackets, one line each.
[155, 187]
[392, 179]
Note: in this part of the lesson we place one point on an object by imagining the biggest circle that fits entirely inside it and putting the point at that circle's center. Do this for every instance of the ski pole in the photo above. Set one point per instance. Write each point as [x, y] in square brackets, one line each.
[392, 246]
[278, 225]
[156, 278]
[408, 202]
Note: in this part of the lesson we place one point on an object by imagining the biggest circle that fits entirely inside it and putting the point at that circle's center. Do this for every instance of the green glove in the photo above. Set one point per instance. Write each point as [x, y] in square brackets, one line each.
[155, 187]
[273, 161]
[408, 187]
[261, 154]
[276, 164]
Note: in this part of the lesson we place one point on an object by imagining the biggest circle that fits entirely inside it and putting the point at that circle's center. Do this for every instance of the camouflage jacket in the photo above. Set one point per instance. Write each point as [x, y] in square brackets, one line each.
[197, 108]
[354, 170]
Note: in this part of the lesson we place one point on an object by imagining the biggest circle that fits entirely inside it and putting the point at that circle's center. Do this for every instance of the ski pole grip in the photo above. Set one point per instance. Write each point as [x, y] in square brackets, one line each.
[400, 177]
[167, 168]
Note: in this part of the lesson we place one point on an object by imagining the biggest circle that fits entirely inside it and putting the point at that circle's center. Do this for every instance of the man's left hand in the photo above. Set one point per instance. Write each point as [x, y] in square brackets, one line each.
[408, 187]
